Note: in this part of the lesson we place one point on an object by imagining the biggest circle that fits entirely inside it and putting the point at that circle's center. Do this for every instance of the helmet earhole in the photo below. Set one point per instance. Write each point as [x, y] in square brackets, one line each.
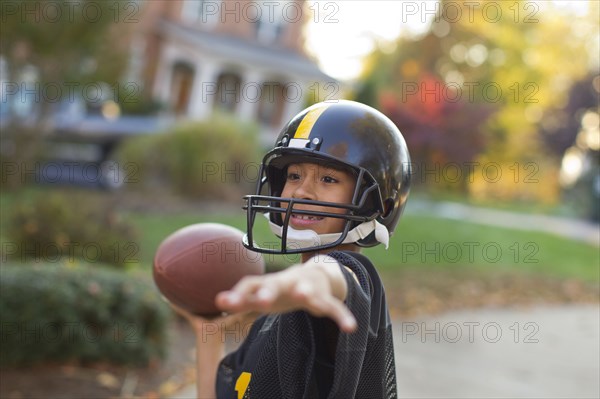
[388, 207]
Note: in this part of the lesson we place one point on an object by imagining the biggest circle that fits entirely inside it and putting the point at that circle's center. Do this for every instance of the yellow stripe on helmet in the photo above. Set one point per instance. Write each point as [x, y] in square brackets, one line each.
[307, 123]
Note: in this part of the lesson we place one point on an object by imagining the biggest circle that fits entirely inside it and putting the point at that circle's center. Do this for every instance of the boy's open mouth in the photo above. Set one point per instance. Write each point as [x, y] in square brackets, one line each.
[305, 219]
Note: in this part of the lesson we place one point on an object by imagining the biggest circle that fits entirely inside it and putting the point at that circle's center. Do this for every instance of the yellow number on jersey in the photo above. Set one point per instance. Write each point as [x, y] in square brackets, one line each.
[241, 385]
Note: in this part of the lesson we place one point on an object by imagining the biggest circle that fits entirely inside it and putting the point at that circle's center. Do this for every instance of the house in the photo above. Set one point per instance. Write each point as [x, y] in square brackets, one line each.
[246, 58]
[194, 57]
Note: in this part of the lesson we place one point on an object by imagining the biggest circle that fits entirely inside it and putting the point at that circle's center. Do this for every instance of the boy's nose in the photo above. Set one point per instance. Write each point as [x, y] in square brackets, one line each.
[306, 190]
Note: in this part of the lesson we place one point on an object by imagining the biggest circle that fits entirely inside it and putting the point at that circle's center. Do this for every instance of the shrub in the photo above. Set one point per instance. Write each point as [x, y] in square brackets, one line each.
[56, 313]
[137, 104]
[20, 149]
[217, 159]
[74, 225]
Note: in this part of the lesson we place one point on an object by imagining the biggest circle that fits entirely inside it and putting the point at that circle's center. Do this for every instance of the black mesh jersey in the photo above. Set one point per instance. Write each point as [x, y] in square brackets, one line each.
[296, 355]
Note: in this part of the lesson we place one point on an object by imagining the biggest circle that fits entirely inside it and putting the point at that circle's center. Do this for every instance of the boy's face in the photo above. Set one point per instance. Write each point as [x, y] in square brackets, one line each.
[318, 183]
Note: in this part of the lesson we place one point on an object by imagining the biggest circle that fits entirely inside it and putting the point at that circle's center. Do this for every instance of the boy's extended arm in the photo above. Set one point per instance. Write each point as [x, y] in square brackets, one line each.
[318, 286]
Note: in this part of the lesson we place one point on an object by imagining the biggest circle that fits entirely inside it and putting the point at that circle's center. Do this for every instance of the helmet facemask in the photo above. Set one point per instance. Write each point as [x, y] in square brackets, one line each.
[360, 214]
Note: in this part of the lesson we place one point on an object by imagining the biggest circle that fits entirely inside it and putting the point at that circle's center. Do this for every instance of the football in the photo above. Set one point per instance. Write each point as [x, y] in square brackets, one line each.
[195, 263]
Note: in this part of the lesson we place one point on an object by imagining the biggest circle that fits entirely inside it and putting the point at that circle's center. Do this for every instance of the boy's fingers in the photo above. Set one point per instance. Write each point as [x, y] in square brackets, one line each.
[324, 305]
[238, 294]
[347, 321]
[333, 308]
[268, 293]
[227, 300]
[302, 291]
[252, 294]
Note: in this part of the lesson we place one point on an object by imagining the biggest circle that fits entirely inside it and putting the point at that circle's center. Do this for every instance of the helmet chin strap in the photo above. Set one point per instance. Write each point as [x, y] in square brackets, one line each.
[307, 238]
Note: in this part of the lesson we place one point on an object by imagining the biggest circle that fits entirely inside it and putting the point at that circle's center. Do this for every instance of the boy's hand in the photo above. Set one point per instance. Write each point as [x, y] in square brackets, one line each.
[317, 286]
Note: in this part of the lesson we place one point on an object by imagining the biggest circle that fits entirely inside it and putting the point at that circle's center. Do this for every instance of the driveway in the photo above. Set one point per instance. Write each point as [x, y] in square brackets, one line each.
[542, 352]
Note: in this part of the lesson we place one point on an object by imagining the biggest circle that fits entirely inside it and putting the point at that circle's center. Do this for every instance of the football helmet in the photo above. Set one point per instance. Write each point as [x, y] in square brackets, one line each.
[343, 135]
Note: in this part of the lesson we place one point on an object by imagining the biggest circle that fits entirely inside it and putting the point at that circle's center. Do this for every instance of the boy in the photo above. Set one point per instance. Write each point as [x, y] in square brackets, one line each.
[338, 179]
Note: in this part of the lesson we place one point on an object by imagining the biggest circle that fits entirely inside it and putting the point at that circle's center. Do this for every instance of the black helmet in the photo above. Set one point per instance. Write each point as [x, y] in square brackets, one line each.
[343, 135]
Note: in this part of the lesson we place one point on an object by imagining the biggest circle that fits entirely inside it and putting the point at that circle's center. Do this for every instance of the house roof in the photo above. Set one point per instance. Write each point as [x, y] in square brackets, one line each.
[245, 51]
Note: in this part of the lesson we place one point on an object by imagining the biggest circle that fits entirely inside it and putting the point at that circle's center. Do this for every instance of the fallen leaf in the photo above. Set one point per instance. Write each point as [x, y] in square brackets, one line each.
[108, 380]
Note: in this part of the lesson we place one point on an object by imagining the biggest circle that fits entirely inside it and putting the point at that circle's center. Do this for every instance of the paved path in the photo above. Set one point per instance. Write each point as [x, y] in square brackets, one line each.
[541, 352]
[567, 227]
[544, 352]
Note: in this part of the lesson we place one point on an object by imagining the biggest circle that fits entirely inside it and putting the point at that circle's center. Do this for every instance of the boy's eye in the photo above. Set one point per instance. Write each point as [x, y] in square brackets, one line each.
[293, 176]
[329, 179]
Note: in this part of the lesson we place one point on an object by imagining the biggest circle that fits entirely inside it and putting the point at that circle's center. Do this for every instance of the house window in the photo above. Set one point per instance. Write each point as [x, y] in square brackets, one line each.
[201, 12]
[228, 92]
[271, 23]
[181, 83]
[271, 104]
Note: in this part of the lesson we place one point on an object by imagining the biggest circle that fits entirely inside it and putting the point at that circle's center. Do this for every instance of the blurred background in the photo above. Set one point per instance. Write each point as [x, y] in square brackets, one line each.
[123, 121]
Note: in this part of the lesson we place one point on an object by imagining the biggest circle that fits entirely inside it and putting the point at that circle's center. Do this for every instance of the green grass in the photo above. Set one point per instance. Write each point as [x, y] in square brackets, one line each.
[420, 241]
[427, 242]
[155, 228]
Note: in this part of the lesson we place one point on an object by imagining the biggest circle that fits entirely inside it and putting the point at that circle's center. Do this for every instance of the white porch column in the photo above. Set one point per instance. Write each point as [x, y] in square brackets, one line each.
[292, 108]
[203, 90]
[249, 98]
[162, 82]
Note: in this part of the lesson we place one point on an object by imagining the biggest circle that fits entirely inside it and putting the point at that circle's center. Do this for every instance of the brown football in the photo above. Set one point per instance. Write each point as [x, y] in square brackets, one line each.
[195, 263]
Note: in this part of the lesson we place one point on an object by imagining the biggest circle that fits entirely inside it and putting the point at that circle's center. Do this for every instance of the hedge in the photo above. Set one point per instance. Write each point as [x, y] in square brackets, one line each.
[216, 159]
[69, 225]
[87, 314]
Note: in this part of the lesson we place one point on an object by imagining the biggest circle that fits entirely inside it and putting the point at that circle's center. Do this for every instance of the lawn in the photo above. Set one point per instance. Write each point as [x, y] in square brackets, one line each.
[420, 242]
[423, 242]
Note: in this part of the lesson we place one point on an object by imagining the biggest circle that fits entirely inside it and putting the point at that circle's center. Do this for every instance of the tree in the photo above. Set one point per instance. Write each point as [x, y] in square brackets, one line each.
[53, 54]
[512, 58]
[560, 126]
[444, 136]
[61, 46]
